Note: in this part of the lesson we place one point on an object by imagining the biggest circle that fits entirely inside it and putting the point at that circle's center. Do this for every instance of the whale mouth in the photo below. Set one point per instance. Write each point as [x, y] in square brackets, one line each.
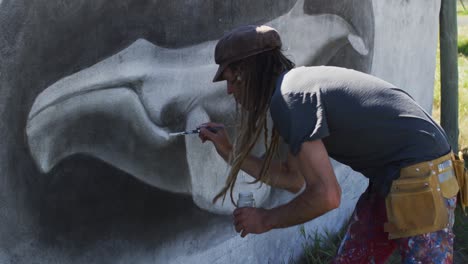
[109, 96]
[49, 100]
[100, 112]
[69, 103]
[77, 122]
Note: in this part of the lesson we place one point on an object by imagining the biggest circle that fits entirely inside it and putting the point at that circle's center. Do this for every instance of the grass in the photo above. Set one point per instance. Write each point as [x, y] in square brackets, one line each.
[461, 220]
[462, 87]
[461, 237]
[462, 8]
[320, 248]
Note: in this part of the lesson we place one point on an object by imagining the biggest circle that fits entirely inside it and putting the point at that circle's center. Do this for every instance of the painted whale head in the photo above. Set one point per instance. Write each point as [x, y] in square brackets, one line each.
[122, 109]
[93, 88]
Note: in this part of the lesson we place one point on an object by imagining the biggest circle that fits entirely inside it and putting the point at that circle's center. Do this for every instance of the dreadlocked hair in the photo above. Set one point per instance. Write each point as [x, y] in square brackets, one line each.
[258, 74]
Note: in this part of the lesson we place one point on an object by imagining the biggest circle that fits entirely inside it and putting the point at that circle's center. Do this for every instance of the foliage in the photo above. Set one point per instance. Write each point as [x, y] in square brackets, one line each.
[462, 87]
[461, 8]
[461, 237]
[320, 247]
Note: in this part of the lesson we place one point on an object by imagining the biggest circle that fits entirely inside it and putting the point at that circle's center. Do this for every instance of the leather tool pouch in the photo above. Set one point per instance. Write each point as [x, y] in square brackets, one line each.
[461, 173]
[416, 202]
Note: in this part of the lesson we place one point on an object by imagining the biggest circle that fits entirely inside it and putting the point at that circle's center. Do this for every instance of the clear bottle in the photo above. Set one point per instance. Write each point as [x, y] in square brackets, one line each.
[246, 199]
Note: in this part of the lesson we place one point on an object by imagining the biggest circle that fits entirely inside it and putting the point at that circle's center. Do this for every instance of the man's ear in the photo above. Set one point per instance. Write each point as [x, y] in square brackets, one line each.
[236, 67]
[239, 73]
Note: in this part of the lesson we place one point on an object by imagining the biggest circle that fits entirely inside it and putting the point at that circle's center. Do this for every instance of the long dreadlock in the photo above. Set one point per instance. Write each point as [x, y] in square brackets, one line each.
[258, 74]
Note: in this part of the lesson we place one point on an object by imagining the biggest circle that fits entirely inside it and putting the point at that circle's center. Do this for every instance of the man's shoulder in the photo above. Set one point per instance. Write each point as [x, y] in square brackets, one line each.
[322, 69]
[314, 78]
[311, 79]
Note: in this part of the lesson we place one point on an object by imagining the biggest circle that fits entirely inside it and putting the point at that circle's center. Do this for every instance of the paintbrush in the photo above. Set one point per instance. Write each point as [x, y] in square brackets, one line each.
[195, 131]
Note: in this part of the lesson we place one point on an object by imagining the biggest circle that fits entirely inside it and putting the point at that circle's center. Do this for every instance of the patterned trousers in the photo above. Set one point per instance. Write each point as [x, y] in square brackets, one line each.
[366, 242]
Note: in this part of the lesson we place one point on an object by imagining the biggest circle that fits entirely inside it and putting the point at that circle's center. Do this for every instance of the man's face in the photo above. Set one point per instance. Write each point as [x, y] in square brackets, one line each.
[234, 83]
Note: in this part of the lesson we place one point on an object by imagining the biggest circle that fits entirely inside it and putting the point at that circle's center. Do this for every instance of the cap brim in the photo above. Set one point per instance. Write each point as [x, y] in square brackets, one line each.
[219, 74]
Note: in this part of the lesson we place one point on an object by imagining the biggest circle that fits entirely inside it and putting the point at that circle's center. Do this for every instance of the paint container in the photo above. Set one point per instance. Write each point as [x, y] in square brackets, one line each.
[246, 199]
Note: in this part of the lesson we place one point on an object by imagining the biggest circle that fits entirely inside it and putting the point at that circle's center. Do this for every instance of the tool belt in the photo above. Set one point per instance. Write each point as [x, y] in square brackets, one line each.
[416, 202]
[462, 176]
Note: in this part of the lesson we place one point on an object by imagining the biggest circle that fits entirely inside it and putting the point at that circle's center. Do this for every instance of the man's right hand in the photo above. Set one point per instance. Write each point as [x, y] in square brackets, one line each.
[220, 138]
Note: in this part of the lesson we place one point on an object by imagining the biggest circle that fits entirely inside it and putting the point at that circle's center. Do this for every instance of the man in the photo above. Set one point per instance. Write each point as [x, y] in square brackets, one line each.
[357, 119]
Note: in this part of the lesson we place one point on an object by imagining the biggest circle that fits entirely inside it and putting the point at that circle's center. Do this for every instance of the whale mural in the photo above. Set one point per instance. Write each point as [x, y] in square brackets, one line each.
[91, 89]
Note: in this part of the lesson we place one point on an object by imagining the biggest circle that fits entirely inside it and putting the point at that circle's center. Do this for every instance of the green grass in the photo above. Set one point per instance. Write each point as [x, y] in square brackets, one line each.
[461, 220]
[461, 237]
[462, 49]
[462, 87]
[320, 248]
[461, 11]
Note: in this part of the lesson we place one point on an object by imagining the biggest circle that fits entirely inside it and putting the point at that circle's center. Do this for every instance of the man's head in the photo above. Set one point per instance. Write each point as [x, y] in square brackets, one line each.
[243, 42]
[250, 57]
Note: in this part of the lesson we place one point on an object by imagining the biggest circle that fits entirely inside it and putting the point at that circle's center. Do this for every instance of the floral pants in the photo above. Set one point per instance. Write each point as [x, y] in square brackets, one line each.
[366, 242]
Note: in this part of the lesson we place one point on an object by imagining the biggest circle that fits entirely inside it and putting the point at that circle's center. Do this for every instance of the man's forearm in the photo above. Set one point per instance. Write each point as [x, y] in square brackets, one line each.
[305, 207]
[279, 174]
[251, 165]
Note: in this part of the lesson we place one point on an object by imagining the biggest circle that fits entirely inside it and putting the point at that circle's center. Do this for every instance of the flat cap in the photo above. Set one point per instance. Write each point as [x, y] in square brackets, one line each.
[243, 42]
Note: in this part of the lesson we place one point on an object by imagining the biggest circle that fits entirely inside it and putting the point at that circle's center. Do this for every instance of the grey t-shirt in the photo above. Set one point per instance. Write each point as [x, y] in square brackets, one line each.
[363, 121]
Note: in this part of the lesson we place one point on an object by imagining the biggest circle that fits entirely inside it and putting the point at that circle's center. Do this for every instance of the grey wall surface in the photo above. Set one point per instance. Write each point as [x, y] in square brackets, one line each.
[89, 90]
[406, 39]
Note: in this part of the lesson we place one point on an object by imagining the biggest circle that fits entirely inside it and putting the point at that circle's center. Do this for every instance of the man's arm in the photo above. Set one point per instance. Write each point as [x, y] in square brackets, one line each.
[322, 194]
[285, 175]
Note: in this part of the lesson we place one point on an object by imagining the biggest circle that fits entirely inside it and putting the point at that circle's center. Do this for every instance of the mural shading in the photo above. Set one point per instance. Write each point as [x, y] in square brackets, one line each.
[89, 91]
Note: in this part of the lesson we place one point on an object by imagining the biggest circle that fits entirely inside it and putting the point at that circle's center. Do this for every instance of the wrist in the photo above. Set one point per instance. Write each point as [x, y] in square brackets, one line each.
[269, 219]
[226, 152]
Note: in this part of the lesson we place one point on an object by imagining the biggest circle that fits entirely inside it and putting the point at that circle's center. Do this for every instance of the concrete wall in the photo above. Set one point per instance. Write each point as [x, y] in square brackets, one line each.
[406, 38]
[90, 89]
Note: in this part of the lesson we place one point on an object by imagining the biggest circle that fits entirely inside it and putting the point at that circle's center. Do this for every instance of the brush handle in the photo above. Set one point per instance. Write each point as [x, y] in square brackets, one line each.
[212, 129]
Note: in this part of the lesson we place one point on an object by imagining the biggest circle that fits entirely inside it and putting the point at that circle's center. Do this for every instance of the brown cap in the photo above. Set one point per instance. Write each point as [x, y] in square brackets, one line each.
[243, 42]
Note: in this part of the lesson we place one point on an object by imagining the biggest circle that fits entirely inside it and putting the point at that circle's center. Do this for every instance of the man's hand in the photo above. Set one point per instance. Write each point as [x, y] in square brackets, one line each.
[250, 220]
[219, 139]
